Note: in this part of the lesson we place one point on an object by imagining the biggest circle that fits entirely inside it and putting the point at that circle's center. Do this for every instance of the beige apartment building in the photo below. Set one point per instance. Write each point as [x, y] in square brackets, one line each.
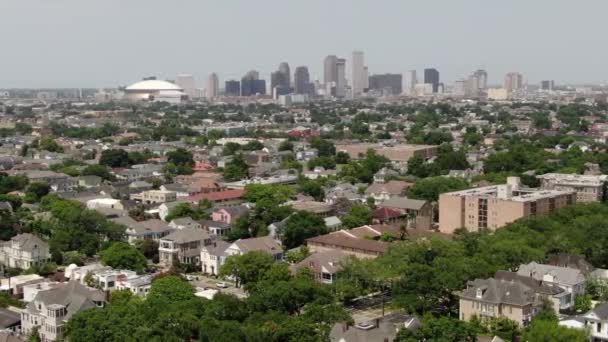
[155, 196]
[492, 207]
[395, 153]
[589, 188]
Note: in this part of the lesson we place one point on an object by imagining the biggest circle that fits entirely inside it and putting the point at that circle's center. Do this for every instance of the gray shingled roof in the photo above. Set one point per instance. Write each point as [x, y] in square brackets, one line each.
[187, 235]
[73, 295]
[563, 275]
[499, 291]
[403, 203]
[265, 243]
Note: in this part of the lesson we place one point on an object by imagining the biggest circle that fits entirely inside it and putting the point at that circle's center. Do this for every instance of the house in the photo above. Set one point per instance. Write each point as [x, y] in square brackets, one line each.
[380, 329]
[152, 229]
[570, 261]
[263, 244]
[215, 228]
[344, 190]
[320, 209]
[381, 192]
[384, 175]
[51, 309]
[319, 172]
[499, 298]
[570, 279]
[104, 203]
[165, 209]
[15, 285]
[184, 222]
[224, 198]
[387, 215]
[596, 321]
[90, 181]
[419, 213]
[155, 196]
[332, 223]
[557, 296]
[229, 215]
[183, 246]
[213, 257]
[10, 322]
[323, 265]
[24, 251]
[307, 155]
[348, 242]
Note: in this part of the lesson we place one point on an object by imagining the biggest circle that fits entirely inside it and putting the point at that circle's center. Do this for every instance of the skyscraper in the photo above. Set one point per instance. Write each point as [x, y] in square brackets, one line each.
[232, 88]
[251, 84]
[340, 90]
[431, 76]
[411, 82]
[547, 85]
[213, 86]
[358, 73]
[301, 80]
[330, 69]
[482, 77]
[284, 68]
[393, 82]
[514, 81]
[280, 80]
[186, 82]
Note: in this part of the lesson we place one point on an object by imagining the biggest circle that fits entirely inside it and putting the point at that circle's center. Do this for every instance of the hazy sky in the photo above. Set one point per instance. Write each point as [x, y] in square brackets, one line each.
[93, 43]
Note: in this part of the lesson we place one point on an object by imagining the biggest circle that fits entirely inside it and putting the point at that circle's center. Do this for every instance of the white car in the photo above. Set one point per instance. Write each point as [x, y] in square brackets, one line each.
[222, 285]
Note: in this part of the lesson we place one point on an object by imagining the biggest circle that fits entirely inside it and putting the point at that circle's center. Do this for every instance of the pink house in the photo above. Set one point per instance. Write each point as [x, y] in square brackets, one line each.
[228, 215]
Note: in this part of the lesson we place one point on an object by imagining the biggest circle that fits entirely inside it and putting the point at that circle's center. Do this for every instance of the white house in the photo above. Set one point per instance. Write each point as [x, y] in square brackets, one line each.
[24, 251]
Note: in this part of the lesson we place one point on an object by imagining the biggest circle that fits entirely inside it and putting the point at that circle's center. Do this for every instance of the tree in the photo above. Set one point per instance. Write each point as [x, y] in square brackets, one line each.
[35, 191]
[583, 303]
[12, 183]
[439, 329]
[429, 189]
[180, 157]
[236, 169]
[325, 148]
[342, 157]
[170, 289]
[121, 255]
[187, 210]
[327, 163]
[97, 170]
[253, 145]
[301, 226]
[312, 188]
[286, 146]
[549, 330]
[246, 268]
[23, 128]
[358, 215]
[114, 158]
[230, 148]
[49, 144]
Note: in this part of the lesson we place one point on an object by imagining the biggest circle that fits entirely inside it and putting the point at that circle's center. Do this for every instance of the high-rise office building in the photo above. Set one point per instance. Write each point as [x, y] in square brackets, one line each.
[547, 85]
[358, 73]
[394, 82]
[280, 80]
[482, 77]
[340, 90]
[284, 68]
[330, 69]
[301, 80]
[252, 85]
[186, 82]
[232, 88]
[213, 86]
[514, 81]
[411, 81]
[431, 76]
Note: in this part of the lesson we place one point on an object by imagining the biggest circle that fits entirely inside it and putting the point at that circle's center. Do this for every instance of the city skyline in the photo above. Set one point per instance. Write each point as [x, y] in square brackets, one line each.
[71, 44]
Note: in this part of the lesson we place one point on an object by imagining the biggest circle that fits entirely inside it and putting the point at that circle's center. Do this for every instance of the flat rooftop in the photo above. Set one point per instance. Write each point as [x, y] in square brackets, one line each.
[574, 179]
[515, 195]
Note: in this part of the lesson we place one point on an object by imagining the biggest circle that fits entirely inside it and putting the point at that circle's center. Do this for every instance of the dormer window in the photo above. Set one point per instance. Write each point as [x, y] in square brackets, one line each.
[479, 293]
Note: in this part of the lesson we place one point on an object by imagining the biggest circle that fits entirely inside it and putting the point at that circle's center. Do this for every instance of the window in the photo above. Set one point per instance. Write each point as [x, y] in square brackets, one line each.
[599, 327]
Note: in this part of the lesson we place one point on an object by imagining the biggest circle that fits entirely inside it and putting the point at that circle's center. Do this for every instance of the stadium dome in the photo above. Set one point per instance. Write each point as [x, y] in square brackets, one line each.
[153, 85]
[154, 90]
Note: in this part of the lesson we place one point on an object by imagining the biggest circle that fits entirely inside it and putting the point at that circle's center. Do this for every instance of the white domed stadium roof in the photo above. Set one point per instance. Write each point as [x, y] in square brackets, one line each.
[153, 85]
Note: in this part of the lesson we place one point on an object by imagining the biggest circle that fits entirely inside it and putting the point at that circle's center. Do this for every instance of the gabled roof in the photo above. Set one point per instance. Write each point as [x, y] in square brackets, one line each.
[403, 203]
[499, 291]
[264, 244]
[29, 241]
[187, 235]
[563, 275]
[73, 295]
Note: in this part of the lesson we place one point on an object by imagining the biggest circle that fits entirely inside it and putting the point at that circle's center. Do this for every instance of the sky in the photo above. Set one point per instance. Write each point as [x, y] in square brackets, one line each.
[109, 43]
